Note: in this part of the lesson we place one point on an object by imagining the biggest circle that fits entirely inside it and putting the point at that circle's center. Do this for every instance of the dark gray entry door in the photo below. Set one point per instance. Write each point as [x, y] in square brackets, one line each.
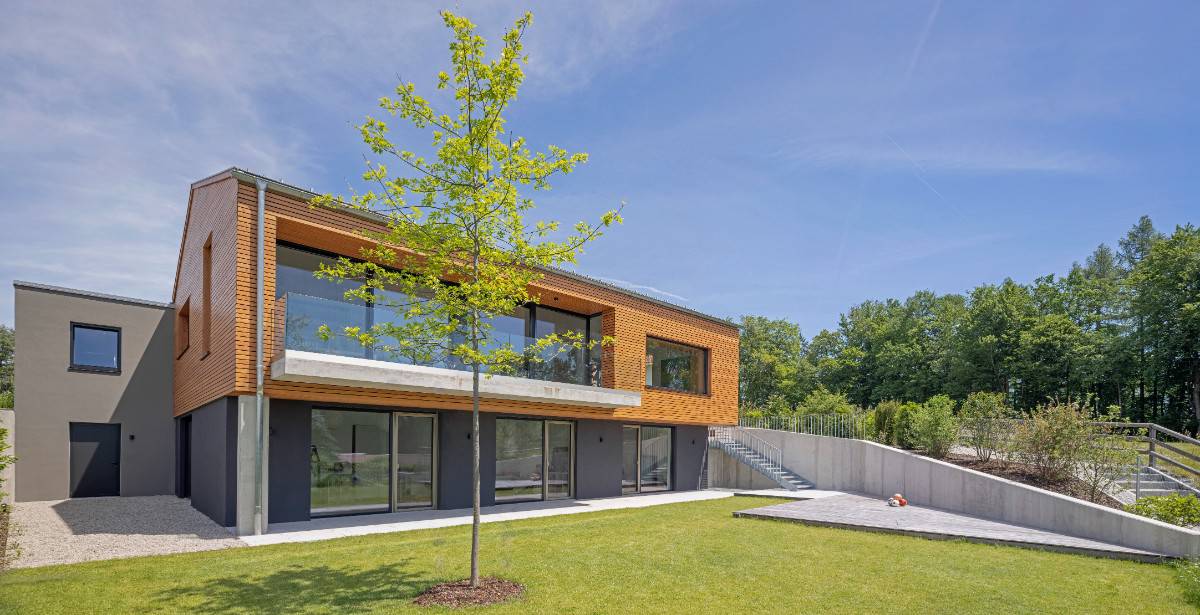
[95, 459]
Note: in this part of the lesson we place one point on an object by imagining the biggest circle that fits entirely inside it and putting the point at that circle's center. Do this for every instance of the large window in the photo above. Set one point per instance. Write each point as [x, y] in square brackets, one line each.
[314, 302]
[349, 462]
[534, 459]
[95, 348]
[675, 366]
[645, 459]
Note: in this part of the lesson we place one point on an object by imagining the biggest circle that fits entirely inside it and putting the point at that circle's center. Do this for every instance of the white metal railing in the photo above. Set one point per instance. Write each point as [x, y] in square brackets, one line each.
[771, 456]
[835, 425]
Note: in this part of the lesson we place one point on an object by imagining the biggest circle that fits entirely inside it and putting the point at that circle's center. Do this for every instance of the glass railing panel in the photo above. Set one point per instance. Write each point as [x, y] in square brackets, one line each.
[304, 315]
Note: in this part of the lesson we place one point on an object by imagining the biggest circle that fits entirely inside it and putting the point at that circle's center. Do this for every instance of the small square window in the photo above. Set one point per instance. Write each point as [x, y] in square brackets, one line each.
[95, 348]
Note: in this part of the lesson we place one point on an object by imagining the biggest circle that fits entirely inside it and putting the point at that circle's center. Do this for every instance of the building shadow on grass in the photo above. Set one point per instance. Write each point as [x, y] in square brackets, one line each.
[300, 588]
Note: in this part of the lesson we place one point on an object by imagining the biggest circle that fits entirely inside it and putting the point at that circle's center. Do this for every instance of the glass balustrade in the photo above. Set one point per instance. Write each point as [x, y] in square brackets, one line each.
[303, 315]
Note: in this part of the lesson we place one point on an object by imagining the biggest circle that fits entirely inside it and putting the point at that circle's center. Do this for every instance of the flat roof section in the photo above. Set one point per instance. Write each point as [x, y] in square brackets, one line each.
[74, 292]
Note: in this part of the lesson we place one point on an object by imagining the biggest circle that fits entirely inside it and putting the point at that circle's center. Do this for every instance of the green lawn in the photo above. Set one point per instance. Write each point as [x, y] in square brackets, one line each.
[692, 558]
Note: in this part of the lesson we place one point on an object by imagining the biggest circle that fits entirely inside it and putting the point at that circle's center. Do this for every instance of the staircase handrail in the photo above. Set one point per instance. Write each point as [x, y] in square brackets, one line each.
[739, 435]
[1170, 478]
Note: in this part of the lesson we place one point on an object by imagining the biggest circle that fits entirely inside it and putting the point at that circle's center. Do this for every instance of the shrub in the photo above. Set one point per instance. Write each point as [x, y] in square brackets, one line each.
[905, 436]
[1175, 509]
[883, 421]
[824, 401]
[5, 461]
[985, 421]
[934, 427]
[1052, 439]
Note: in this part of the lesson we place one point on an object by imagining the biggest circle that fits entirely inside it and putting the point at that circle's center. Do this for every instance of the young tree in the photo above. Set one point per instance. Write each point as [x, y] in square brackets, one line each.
[458, 251]
[985, 420]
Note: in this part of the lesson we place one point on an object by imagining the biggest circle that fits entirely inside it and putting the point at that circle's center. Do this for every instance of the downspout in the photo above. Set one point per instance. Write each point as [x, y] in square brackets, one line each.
[258, 363]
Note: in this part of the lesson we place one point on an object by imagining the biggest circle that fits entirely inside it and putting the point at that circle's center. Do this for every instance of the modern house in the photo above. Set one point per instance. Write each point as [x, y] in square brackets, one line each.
[124, 397]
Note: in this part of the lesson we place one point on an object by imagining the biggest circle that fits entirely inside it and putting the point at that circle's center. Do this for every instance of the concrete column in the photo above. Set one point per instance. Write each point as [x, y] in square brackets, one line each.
[247, 437]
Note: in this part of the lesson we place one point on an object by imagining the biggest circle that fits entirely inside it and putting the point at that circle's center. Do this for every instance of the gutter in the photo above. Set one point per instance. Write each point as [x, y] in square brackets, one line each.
[258, 362]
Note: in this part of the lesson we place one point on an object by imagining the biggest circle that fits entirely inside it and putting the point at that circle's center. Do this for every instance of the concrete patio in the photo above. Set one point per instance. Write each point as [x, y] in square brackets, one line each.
[362, 525]
[858, 512]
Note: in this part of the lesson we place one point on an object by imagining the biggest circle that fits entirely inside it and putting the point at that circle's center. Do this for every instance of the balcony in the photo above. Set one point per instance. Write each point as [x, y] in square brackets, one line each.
[301, 355]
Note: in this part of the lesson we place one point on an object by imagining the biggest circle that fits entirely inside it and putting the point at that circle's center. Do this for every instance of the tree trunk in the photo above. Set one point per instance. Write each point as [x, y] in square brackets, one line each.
[1196, 392]
[475, 471]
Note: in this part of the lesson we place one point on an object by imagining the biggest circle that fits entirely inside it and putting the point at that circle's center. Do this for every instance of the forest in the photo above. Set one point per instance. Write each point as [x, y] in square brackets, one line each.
[1120, 329]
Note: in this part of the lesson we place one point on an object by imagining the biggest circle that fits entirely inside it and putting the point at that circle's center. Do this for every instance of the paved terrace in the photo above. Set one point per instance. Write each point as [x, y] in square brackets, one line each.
[857, 512]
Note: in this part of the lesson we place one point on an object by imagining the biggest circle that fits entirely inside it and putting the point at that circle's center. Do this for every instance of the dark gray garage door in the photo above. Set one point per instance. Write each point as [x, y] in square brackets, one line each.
[95, 459]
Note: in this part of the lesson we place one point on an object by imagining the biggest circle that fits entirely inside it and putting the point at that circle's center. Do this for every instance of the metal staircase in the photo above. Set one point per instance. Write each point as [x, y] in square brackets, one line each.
[762, 456]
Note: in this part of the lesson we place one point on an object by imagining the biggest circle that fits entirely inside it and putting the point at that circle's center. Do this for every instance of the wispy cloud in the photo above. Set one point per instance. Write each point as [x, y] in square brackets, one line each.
[108, 111]
[945, 156]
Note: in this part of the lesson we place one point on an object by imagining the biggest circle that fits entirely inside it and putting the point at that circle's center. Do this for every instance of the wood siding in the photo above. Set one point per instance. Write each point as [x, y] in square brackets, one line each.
[628, 318]
[200, 379]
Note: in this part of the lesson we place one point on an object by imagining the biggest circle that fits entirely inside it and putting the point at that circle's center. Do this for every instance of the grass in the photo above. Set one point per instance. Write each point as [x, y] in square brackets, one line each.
[690, 557]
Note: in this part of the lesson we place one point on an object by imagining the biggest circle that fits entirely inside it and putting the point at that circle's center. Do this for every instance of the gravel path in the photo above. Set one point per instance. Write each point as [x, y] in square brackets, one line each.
[70, 531]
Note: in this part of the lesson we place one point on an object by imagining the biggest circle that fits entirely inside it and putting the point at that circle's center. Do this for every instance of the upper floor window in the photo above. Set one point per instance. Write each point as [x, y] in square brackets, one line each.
[675, 366]
[95, 348]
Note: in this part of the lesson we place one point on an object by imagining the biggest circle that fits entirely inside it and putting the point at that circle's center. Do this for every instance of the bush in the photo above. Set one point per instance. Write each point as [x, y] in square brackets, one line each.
[1175, 509]
[985, 421]
[883, 422]
[905, 436]
[6, 399]
[1052, 440]
[823, 401]
[934, 427]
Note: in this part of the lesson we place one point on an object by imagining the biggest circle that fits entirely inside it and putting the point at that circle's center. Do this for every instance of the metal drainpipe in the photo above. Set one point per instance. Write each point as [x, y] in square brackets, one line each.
[258, 363]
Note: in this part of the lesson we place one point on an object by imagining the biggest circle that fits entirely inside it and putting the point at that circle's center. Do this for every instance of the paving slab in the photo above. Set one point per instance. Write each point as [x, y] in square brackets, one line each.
[859, 512]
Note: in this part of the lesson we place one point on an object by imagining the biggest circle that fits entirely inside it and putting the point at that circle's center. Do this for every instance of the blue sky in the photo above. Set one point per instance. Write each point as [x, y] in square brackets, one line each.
[785, 159]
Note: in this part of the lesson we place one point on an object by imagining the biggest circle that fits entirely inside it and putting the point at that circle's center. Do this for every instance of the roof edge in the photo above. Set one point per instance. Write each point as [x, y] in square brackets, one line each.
[86, 294]
[303, 193]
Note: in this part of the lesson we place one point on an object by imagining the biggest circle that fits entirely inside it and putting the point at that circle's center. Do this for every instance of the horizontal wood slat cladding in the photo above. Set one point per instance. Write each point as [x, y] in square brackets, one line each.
[200, 378]
[628, 318]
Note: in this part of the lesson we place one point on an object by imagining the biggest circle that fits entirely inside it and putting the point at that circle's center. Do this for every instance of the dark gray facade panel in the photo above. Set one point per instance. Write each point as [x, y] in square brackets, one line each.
[50, 396]
[691, 442]
[597, 459]
[288, 474]
[214, 460]
[454, 459]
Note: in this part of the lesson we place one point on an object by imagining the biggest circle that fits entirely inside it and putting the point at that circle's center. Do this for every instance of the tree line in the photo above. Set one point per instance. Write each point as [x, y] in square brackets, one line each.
[1122, 329]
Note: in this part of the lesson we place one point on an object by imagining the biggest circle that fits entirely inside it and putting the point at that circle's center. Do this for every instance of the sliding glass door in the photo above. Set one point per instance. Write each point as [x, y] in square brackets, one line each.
[415, 456]
[365, 462]
[534, 459]
[645, 459]
[349, 462]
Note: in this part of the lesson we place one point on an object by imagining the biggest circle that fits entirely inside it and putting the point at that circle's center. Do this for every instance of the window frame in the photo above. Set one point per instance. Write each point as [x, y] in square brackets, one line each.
[706, 371]
[72, 366]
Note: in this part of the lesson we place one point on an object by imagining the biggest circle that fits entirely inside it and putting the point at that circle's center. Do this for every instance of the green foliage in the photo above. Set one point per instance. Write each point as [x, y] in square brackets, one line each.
[6, 460]
[6, 399]
[934, 428]
[1122, 327]
[7, 358]
[884, 421]
[904, 431]
[985, 419]
[773, 374]
[822, 401]
[459, 250]
[1176, 509]
[1104, 455]
[1187, 574]
[1051, 440]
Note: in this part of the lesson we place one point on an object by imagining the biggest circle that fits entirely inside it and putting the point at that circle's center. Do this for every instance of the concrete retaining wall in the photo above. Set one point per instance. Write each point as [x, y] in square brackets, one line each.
[874, 469]
[8, 476]
[727, 472]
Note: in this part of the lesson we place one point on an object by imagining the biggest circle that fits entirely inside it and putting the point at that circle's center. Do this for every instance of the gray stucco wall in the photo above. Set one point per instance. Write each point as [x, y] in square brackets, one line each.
[214, 460]
[597, 459]
[291, 440]
[49, 397]
[690, 444]
[454, 459]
